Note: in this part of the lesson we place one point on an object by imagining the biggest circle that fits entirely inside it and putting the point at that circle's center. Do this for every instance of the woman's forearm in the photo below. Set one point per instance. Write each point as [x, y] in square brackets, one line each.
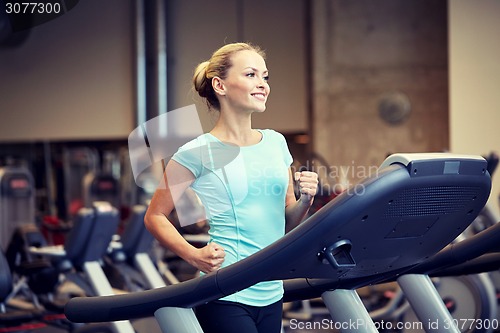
[168, 236]
[295, 213]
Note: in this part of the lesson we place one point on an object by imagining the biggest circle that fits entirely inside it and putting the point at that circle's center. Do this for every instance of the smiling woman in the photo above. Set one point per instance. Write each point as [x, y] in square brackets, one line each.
[218, 67]
[243, 178]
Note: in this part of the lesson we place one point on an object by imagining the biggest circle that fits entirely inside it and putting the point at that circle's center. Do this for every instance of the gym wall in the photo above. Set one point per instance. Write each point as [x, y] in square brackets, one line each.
[474, 80]
[367, 53]
[196, 28]
[72, 78]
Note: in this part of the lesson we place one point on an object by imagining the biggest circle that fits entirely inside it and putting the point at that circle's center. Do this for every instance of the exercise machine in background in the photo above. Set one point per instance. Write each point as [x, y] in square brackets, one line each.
[372, 232]
[17, 201]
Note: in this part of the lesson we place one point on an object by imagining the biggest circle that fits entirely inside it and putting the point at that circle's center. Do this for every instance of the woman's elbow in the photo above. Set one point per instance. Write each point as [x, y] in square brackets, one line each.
[148, 220]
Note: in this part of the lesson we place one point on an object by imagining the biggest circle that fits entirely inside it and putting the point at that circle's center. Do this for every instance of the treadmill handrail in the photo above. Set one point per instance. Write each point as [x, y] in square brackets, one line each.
[487, 240]
[406, 158]
[476, 254]
[386, 196]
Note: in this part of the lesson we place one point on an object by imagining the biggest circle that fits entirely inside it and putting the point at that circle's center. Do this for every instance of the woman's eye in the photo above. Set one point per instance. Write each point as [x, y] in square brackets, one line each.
[265, 77]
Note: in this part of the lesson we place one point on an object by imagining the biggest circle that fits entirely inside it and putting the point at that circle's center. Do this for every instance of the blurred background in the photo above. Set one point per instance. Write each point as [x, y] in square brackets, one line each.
[352, 81]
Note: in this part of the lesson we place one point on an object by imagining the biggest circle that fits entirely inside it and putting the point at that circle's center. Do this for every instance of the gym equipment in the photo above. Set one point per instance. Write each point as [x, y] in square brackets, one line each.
[100, 187]
[469, 294]
[376, 230]
[474, 255]
[86, 181]
[133, 254]
[36, 265]
[85, 245]
[492, 160]
[130, 256]
[135, 191]
[470, 288]
[470, 298]
[473, 298]
[34, 276]
[17, 203]
[76, 163]
[17, 213]
[35, 319]
[14, 319]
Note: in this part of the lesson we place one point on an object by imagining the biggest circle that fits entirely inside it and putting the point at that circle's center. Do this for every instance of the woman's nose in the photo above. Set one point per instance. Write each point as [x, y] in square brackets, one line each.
[261, 83]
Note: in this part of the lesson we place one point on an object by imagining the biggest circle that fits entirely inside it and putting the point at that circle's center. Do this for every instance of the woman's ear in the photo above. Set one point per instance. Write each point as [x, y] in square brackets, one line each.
[218, 86]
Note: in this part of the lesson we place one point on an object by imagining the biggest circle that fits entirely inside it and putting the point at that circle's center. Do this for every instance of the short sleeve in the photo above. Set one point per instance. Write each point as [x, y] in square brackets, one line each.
[189, 156]
[286, 152]
[281, 141]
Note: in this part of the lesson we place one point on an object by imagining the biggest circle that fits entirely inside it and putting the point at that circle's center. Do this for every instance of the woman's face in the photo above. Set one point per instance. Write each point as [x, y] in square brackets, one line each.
[246, 85]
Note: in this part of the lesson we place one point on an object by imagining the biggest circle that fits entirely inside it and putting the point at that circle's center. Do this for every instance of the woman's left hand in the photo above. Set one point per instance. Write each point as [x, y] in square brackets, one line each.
[308, 184]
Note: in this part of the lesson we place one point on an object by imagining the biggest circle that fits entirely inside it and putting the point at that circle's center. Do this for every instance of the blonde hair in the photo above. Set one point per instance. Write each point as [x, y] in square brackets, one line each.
[218, 65]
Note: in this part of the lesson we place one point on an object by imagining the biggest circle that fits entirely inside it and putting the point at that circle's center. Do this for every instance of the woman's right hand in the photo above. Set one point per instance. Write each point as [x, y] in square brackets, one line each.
[209, 258]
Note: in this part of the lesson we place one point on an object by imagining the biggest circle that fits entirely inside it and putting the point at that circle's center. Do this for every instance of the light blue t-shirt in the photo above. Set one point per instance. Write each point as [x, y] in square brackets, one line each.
[243, 192]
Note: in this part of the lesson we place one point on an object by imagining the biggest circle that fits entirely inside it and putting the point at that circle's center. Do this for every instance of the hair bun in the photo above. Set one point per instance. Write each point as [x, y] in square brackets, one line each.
[200, 80]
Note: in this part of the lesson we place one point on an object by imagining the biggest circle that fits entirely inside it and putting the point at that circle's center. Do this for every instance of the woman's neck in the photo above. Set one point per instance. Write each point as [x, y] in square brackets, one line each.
[236, 129]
